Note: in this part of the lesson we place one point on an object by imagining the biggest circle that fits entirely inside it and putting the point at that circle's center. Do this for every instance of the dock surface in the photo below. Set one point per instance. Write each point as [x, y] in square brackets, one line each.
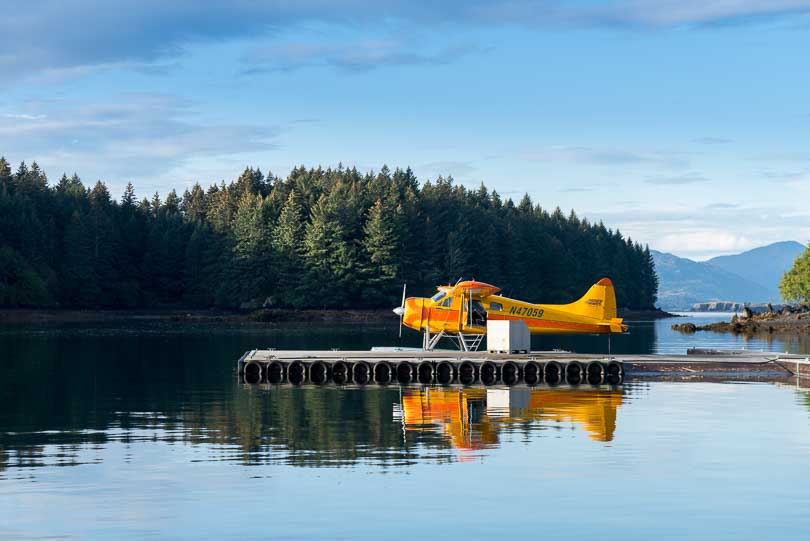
[404, 366]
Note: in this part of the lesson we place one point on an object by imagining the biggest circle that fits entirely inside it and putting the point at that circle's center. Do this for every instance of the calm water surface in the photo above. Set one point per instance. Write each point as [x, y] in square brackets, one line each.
[141, 430]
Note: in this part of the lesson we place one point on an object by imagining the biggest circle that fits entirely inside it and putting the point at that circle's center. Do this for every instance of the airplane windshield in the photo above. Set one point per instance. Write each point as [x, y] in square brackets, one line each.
[438, 296]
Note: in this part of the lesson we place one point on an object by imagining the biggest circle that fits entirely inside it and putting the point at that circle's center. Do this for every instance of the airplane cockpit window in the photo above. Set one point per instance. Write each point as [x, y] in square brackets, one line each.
[447, 302]
[438, 296]
[497, 307]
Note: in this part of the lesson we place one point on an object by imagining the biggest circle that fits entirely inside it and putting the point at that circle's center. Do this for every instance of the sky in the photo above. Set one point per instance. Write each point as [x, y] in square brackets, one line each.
[683, 123]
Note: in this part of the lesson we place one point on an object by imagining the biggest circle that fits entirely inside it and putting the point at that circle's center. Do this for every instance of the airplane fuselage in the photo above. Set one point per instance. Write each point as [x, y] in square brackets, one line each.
[467, 306]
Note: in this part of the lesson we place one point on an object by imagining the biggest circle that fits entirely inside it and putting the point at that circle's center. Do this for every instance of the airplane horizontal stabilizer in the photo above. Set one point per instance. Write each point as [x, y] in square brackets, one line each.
[616, 325]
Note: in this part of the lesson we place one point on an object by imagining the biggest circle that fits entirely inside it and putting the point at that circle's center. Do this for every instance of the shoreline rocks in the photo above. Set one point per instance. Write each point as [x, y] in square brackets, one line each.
[788, 319]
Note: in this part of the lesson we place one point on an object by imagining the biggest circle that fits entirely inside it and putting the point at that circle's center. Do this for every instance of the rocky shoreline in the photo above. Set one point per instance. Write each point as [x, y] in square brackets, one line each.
[788, 320]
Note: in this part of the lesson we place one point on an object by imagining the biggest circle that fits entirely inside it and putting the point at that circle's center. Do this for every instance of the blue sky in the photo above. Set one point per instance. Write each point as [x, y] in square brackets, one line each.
[685, 124]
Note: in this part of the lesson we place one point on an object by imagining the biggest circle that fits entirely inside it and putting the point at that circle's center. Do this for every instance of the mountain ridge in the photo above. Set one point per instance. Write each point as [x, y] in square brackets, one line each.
[748, 277]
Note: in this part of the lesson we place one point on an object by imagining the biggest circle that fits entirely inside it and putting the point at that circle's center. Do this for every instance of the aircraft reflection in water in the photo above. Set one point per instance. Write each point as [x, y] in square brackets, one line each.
[472, 417]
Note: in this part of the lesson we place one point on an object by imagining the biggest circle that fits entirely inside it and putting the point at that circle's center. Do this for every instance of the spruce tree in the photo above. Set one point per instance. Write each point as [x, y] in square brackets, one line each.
[155, 205]
[20, 284]
[288, 248]
[201, 274]
[105, 244]
[381, 246]
[194, 204]
[252, 278]
[79, 284]
[331, 259]
[128, 200]
[172, 203]
[5, 177]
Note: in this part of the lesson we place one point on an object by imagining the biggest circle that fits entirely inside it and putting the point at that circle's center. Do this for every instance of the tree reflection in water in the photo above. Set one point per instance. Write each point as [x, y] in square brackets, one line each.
[321, 426]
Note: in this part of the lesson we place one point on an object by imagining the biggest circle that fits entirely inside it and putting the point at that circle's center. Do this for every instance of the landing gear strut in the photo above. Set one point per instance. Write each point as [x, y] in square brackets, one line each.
[464, 342]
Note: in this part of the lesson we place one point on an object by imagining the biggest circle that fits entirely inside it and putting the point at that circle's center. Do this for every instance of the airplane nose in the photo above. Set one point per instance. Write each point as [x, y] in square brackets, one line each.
[412, 313]
[399, 310]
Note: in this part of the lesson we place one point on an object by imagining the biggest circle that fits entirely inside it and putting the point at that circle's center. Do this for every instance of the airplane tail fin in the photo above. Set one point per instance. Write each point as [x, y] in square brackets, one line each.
[599, 303]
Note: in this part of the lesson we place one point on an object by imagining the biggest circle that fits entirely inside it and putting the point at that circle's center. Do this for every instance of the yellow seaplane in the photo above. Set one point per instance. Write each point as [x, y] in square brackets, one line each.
[461, 311]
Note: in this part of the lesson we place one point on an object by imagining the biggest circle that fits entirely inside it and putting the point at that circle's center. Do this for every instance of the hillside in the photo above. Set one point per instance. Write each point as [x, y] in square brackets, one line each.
[748, 277]
[319, 238]
[683, 282]
[764, 265]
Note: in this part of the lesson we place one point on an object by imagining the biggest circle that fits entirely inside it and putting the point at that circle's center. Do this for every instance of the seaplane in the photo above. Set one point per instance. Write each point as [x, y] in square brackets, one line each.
[460, 313]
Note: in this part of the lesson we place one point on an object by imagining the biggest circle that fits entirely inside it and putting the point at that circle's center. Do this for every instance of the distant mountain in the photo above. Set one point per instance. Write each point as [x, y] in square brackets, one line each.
[683, 282]
[764, 265]
[749, 277]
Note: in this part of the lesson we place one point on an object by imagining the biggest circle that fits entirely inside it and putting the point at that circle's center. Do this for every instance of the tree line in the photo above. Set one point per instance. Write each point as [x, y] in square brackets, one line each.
[319, 238]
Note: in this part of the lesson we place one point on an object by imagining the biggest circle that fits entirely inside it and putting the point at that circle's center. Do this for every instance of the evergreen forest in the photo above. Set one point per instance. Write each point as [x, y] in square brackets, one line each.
[319, 238]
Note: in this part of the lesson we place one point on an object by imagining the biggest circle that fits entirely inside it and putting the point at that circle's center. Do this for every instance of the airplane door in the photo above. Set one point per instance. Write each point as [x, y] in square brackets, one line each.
[472, 313]
[479, 313]
[463, 315]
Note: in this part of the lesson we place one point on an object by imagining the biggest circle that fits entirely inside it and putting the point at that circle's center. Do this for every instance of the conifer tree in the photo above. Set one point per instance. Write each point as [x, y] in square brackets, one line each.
[381, 245]
[5, 177]
[37, 180]
[288, 249]
[201, 272]
[320, 237]
[172, 203]
[20, 284]
[79, 284]
[194, 204]
[330, 258]
[128, 200]
[252, 249]
[155, 205]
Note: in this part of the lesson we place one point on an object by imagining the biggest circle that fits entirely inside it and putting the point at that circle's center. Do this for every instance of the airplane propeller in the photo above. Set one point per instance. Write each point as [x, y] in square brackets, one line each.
[400, 310]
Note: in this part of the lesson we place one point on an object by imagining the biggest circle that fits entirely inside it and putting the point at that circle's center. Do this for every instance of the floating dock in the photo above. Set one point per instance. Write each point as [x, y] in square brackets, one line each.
[441, 367]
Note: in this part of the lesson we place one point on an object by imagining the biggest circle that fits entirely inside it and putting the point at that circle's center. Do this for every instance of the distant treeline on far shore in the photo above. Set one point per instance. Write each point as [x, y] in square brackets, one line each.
[331, 238]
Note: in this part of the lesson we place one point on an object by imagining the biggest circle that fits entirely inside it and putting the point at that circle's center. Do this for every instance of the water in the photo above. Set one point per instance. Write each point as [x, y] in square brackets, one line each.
[141, 430]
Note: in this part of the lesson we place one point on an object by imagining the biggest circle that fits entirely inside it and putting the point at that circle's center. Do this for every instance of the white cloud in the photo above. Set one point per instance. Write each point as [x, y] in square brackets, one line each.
[708, 242]
[455, 169]
[679, 12]
[608, 156]
[20, 116]
[676, 180]
[706, 231]
[103, 34]
[132, 136]
[799, 182]
[711, 140]
[353, 56]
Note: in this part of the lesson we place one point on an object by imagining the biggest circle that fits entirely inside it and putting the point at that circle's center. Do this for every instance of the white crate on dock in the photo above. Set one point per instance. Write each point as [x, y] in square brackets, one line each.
[508, 336]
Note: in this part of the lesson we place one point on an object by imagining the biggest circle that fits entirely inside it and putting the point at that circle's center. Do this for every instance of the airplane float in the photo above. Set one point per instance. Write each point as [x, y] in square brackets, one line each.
[460, 312]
